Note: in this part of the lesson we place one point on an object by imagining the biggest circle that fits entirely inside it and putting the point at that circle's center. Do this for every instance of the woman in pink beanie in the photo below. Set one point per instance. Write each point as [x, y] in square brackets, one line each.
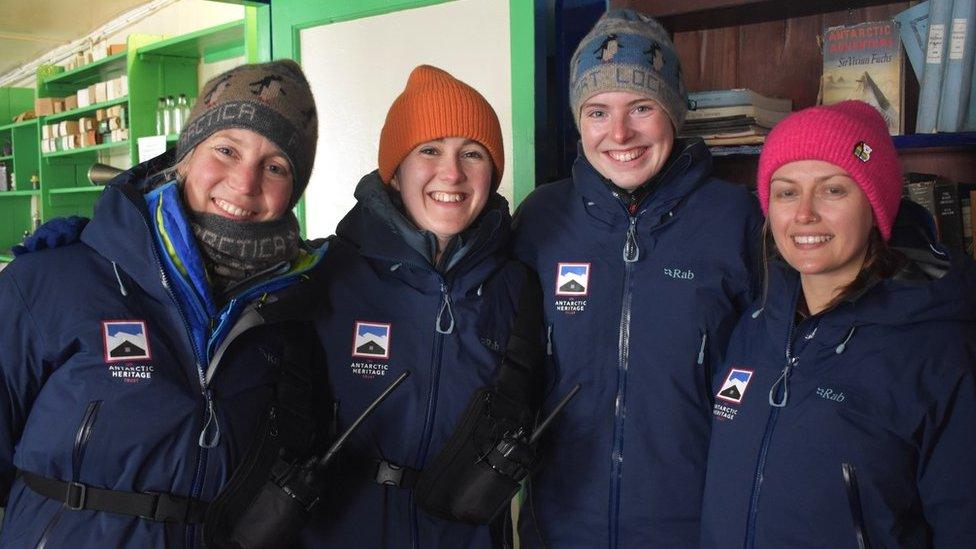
[845, 414]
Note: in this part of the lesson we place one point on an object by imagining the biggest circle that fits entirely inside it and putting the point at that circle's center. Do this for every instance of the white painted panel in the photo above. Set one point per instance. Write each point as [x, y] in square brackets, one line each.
[357, 68]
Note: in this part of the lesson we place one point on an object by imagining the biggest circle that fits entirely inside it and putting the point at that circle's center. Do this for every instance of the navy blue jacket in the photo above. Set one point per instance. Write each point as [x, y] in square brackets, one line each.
[639, 308]
[387, 309]
[105, 366]
[883, 385]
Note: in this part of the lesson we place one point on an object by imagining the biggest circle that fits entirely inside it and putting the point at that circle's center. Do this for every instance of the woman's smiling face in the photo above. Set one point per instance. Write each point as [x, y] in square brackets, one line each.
[238, 174]
[445, 184]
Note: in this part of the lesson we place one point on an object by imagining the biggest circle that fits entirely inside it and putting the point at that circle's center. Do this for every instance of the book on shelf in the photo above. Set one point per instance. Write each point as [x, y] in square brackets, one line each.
[969, 125]
[720, 141]
[935, 49]
[948, 214]
[966, 191]
[730, 150]
[954, 102]
[723, 122]
[972, 233]
[918, 187]
[865, 62]
[913, 25]
[737, 97]
[736, 131]
[763, 117]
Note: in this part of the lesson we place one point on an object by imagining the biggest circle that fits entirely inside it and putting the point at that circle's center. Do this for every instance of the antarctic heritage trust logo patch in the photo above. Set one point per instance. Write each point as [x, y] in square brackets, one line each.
[732, 391]
[371, 341]
[126, 348]
[572, 287]
[125, 340]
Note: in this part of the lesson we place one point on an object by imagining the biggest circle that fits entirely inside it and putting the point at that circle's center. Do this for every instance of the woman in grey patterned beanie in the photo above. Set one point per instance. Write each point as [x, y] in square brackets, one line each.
[132, 401]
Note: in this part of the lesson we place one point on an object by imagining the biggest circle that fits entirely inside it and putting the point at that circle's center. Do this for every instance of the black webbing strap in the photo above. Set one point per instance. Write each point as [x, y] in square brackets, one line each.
[159, 507]
[520, 373]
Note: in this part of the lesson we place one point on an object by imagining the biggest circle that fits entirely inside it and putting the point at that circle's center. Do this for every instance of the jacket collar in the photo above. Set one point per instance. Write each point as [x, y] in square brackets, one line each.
[688, 167]
[378, 228]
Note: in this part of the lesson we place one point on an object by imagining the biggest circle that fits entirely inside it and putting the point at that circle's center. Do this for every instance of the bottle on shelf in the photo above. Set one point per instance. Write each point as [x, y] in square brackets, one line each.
[170, 115]
[161, 116]
[35, 181]
[182, 112]
[35, 220]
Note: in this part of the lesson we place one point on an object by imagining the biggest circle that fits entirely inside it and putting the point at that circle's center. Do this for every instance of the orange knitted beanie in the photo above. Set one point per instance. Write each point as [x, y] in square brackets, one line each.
[435, 105]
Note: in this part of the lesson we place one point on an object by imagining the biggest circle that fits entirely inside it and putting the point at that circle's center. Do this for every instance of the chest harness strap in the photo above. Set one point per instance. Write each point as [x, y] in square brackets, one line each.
[155, 506]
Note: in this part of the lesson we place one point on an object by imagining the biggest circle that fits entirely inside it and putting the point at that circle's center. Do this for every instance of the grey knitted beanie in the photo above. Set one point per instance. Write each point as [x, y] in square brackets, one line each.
[628, 51]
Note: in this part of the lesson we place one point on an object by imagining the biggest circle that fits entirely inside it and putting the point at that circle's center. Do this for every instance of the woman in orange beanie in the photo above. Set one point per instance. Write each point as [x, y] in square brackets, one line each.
[418, 279]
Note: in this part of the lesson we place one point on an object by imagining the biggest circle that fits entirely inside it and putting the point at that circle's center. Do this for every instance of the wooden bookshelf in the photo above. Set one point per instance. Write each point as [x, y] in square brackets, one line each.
[773, 47]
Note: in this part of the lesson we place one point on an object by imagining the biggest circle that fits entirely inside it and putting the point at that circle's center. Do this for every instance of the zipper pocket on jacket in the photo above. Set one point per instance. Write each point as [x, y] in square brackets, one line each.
[704, 368]
[51, 525]
[82, 437]
[854, 499]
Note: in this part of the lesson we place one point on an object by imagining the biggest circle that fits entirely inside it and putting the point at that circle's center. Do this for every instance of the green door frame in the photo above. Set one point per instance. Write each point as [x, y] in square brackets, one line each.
[284, 20]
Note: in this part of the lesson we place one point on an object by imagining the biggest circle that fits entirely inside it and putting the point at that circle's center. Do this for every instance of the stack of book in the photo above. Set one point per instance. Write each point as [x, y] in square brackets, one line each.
[733, 117]
[939, 39]
[950, 204]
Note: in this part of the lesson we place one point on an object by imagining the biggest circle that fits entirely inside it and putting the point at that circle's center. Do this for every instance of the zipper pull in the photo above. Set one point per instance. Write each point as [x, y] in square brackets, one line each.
[210, 434]
[701, 350]
[631, 250]
[549, 340]
[445, 307]
[783, 378]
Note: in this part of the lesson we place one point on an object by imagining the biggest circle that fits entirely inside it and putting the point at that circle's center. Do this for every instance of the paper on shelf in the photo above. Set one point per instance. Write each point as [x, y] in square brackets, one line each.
[151, 147]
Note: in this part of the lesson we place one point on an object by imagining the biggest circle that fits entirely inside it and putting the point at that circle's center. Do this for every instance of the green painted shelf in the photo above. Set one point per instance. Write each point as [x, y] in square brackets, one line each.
[79, 190]
[75, 113]
[95, 71]
[212, 44]
[117, 144]
[7, 157]
[4, 258]
[18, 124]
[11, 194]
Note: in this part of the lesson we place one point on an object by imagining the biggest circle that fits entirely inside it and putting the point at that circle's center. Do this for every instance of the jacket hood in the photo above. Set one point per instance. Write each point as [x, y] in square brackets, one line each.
[926, 289]
[120, 229]
[687, 169]
[378, 228]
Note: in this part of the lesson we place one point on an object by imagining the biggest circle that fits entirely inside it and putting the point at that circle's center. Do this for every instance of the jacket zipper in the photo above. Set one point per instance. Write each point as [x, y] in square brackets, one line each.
[631, 253]
[857, 511]
[435, 367]
[778, 397]
[78, 456]
[196, 487]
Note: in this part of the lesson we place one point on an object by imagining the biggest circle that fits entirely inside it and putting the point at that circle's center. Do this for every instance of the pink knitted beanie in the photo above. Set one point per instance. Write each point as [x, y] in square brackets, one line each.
[850, 135]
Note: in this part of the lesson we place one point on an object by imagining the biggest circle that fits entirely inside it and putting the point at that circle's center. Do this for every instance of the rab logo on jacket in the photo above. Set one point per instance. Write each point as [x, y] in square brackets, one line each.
[125, 340]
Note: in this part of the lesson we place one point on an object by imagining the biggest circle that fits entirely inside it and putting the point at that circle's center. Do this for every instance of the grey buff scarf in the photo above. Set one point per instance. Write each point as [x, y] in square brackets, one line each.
[236, 251]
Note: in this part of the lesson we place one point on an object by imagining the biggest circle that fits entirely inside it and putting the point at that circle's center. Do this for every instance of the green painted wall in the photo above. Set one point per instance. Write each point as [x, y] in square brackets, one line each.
[289, 17]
